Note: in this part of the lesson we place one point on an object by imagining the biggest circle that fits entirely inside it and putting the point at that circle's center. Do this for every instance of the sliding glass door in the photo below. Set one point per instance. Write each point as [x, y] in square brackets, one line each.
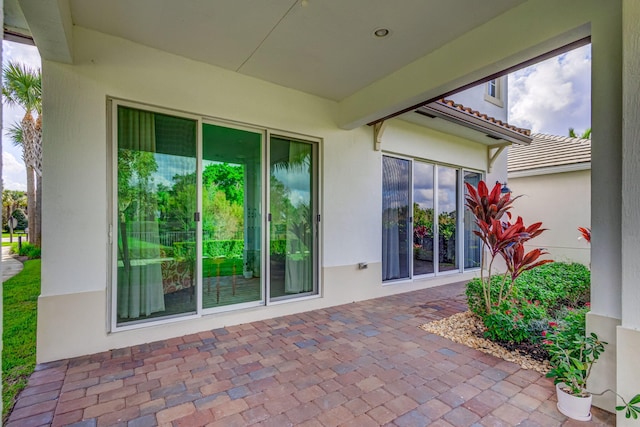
[190, 225]
[155, 227]
[423, 226]
[447, 209]
[472, 243]
[422, 215]
[292, 226]
[231, 216]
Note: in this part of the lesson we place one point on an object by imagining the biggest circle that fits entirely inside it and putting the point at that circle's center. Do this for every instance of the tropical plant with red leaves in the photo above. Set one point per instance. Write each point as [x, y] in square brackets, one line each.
[501, 238]
[586, 233]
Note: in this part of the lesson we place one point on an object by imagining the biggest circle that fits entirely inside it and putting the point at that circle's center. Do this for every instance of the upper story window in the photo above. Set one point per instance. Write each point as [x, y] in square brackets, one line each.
[494, 91]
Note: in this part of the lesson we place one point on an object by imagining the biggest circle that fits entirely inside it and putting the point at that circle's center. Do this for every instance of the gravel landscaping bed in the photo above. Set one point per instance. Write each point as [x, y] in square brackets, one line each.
[467, 329]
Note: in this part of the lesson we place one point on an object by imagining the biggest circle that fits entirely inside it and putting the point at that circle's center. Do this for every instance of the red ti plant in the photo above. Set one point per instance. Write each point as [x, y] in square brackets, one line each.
[586, 233]
[500, 237]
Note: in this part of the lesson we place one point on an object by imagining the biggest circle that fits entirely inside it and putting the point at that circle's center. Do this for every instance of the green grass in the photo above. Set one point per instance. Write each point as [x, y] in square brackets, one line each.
[6, 243]
[15, 234]
[20, 298]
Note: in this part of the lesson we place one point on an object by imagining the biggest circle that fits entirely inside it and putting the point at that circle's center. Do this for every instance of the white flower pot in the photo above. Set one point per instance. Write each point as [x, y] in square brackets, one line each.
[248, 274]
[578, 408]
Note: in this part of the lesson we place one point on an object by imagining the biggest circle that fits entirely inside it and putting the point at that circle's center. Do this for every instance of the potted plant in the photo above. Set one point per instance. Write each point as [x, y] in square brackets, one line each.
[247, 271]
[572, 355]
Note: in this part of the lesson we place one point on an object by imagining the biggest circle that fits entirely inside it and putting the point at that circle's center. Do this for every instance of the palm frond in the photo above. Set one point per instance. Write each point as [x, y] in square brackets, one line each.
[15, 133]
[22, 86]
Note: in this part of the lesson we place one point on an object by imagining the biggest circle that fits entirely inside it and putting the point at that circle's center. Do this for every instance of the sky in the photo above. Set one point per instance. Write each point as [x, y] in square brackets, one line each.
[549, 97]
[13, 170]
[554, 95]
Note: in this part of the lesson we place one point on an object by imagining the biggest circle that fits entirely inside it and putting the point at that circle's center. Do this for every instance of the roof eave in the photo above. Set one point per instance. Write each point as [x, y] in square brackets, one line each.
[444, 111]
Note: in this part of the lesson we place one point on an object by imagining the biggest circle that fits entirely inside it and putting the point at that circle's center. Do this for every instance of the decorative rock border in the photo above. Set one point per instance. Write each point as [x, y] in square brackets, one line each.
[462, 328]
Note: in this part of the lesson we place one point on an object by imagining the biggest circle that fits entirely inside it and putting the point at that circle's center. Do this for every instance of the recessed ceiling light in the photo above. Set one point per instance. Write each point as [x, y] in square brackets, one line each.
[381, 32]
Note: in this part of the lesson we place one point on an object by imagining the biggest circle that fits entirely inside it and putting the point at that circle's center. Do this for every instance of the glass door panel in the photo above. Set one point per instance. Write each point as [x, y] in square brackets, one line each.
[472, 243]
[156, 202]
[447, 218]
[396, 227]
[422, 218]
[231, 218]
[292, 243]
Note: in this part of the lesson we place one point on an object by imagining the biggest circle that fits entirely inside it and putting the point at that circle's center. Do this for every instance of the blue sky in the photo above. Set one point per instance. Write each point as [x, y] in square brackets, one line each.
[549, 97]
[13, 170]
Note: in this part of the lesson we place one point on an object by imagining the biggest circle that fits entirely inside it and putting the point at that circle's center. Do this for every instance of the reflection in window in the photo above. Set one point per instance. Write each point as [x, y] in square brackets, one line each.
[292, 245]
[156, 200]
[231, 233]
[472, 243]
[447, 218]
[422, 218]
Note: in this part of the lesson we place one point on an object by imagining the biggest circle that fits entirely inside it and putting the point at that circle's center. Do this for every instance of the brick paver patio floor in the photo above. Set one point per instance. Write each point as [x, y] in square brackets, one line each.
[360, 364]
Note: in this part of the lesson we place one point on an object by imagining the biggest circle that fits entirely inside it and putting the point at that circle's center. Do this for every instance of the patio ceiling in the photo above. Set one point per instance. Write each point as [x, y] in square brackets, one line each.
[324, 47]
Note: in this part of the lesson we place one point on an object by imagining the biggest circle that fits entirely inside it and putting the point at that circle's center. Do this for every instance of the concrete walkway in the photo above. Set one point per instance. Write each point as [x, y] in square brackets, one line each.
[361, 364]
[10, 265]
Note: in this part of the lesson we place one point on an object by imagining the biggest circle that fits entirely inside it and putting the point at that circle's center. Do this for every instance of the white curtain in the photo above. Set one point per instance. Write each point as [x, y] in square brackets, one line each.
[395, 205]
[298, 263]
[140, 290]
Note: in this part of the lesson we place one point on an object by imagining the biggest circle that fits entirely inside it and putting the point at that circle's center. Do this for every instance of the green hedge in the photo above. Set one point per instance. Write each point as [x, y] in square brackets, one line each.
[211, 248]
[539, 295]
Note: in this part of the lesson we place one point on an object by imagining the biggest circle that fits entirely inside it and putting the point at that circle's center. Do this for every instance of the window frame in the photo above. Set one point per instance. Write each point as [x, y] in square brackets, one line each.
[498, 84]
[461, 208]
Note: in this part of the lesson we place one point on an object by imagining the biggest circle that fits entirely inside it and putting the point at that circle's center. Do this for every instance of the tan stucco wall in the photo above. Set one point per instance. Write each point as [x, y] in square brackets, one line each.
[562, 201]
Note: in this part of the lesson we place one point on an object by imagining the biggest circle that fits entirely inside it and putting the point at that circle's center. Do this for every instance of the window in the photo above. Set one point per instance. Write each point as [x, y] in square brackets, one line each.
[156, 200]
[430, 237]
[494, 91]
[472, 243]
[190, 219]
[492, 88]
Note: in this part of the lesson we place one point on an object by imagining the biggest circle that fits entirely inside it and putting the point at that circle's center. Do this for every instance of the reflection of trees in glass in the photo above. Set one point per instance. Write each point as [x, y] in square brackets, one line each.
[223, 200]
[422, 221]
[447, 224]
[136, 200]
[181, 203]
[228, 178]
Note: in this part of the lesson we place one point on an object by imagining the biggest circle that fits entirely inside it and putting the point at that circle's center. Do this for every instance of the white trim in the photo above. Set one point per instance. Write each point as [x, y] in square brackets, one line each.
[574, 167]
[315, 143]
[199, 280]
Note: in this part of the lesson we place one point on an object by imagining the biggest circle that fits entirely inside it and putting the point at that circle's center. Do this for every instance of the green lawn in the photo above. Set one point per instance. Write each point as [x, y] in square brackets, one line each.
[20, 298]
[15, 235]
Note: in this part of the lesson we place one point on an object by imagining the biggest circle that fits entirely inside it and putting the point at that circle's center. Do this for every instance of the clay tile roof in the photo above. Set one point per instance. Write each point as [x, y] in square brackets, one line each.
[549, 151]
[492, 120]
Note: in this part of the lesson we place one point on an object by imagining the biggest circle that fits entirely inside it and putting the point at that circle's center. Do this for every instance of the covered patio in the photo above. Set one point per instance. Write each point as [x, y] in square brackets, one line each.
[361, 364]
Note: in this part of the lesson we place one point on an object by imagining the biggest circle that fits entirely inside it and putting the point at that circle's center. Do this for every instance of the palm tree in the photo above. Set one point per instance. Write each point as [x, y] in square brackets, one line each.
[22, 86]
[585, 135]
[12, 200]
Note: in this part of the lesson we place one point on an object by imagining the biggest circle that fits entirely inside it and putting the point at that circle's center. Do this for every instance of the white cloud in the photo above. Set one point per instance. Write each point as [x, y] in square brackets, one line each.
[554, 95]
[12, 156]
[13, 172]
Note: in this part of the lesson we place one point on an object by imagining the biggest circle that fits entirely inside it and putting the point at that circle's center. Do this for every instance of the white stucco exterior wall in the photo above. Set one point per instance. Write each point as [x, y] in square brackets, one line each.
[628, 334]
[477, 98]
[74, 308]
[562, 201]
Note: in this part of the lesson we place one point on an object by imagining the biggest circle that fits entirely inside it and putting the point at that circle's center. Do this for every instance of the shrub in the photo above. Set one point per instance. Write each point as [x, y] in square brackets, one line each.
[555, 284]
[27, 249]
[537, 296]
[22, 219]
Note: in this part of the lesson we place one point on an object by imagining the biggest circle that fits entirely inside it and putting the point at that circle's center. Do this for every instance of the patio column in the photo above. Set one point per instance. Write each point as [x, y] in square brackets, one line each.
[606, 196]
[628, 336]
